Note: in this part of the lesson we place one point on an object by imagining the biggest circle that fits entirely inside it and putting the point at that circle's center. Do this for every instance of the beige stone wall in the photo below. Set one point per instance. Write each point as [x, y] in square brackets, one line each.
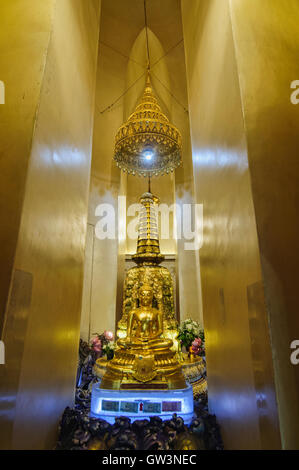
[54, 107]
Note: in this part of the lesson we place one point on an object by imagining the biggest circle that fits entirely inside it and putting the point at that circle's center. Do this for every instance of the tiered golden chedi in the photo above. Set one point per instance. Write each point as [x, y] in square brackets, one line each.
[145, 356]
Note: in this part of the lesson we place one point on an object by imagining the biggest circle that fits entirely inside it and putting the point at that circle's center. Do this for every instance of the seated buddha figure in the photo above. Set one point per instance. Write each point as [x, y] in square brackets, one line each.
[145, 324]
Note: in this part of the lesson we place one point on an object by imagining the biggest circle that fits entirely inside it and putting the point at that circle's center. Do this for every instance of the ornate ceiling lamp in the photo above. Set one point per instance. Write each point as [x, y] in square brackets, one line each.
[148, 144]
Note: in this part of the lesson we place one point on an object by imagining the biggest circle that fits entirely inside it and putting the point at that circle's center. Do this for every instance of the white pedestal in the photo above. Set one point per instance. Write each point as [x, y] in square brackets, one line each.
[141, 404]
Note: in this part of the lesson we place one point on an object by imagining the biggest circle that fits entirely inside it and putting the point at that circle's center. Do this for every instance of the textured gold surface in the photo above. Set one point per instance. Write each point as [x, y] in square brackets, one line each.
[122, 29]
[50, 247]
[24, 36]
[229, 258]
[261, 361]
[267, 44]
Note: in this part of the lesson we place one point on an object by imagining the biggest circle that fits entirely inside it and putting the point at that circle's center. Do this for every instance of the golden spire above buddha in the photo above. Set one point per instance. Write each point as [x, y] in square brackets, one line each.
[148, 247]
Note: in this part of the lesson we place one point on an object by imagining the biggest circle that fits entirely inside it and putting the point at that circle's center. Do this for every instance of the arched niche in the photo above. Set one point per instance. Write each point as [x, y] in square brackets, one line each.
[137, 66]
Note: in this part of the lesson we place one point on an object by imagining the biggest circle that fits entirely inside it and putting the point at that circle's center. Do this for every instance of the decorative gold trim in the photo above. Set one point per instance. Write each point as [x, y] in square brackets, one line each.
[148, 127]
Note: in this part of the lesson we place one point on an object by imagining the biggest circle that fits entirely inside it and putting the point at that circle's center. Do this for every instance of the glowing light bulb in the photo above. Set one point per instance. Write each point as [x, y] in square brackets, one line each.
[148, 153]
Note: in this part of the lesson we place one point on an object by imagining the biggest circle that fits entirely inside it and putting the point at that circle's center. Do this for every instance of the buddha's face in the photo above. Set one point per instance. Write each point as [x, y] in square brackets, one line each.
[146, 297]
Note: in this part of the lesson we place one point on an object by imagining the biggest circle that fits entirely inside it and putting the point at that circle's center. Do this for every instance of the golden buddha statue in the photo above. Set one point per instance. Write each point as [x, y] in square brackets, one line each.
[145, 324]
[144, 359]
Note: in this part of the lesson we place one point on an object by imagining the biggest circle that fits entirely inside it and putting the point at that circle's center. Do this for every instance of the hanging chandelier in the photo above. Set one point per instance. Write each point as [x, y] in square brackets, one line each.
[147, 144]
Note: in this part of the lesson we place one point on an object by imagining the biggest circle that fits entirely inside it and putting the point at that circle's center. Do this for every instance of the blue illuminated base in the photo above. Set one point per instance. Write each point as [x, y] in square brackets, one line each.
[141, 404]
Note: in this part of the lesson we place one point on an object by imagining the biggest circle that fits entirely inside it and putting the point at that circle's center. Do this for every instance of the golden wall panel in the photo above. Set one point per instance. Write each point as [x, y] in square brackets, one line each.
[229, 258]
[52, 232]
[267, 43]
[262, 363]
[17, 320]
[24, 37]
